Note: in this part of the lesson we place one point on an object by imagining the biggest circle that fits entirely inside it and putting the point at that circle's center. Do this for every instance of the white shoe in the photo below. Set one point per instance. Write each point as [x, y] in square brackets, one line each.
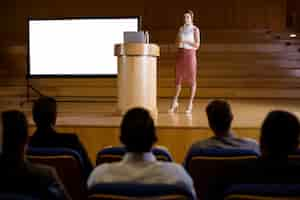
[189, 110]
[174, 107]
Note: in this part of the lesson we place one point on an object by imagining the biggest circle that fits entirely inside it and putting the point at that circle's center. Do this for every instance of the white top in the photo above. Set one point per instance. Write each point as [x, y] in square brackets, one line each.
[141, 168]
[187, 33]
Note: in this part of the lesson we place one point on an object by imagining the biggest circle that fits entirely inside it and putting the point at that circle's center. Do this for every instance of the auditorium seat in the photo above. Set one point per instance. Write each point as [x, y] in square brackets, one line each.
[210, 168]
[263, 192]
[12, 196]
[113, 154]
[127, 191]
[68, 164]
[295, 156]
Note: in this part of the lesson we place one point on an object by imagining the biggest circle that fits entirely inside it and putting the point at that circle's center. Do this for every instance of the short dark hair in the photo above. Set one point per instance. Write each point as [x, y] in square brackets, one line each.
[138, 131]
[44, 111]
[219, 115]
[15, 131]
[279, 133]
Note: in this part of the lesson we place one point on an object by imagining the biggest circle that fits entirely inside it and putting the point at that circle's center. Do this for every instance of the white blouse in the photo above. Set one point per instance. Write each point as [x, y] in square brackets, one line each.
[186, 33]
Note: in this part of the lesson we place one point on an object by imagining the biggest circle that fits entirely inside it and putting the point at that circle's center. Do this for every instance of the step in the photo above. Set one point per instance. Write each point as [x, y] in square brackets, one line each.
[237, 82]
[240, 73]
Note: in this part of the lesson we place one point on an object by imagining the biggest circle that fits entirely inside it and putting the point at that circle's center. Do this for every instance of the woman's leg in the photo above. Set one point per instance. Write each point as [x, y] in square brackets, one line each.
[174, 105]
[193, 74]
[178, 90]
[193, 93]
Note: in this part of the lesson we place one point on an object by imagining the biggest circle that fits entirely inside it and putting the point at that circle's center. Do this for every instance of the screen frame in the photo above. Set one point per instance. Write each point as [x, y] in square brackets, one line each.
[28, 75]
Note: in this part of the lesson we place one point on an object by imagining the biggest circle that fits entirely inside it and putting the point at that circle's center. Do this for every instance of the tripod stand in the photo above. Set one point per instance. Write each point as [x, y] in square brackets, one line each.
[28, 88]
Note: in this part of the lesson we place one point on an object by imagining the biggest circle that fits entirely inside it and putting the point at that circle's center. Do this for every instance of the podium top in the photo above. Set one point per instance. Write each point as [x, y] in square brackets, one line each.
[136, 49]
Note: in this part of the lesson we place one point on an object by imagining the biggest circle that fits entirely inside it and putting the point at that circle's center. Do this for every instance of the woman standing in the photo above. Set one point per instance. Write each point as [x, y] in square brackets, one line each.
[188, 41]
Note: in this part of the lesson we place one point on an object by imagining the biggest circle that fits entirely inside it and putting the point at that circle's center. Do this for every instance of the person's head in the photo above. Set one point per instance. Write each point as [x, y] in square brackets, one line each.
[44, 111]
[279, 134]
[188, 17]
[219, 117]
[138, 131]
[14, 133]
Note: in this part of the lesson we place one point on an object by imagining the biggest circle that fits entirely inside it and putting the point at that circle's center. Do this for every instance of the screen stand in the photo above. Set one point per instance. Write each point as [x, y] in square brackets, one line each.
[28, 88]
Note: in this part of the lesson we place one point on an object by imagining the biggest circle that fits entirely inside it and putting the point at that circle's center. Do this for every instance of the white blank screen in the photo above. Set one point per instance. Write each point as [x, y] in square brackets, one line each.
[76, 46]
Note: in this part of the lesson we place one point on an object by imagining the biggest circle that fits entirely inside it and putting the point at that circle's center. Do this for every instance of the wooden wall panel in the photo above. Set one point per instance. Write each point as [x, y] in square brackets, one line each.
[230, 14]
[293, 15]
[298, 16]
[274, 9]
[156, 15]
[7, 21]
[250, 14]
[223, 23]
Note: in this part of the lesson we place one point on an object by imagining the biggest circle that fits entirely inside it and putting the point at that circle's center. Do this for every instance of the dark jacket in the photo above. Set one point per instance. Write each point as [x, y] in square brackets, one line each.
[50, 138]
[269, 171]
[25, 178]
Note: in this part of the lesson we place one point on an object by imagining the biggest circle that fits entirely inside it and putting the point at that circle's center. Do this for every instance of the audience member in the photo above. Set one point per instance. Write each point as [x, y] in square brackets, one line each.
[279, 138]
[18, 176]
[139, 165]
[219, 117]
[44, 115]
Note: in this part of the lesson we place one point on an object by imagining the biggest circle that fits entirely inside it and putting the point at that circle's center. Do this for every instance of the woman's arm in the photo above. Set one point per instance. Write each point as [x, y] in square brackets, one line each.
[197, 38]
[195, 44]
[178, 41]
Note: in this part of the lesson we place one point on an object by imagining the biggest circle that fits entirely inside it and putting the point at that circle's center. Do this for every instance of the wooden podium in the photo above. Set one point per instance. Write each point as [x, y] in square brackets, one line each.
[137, 72]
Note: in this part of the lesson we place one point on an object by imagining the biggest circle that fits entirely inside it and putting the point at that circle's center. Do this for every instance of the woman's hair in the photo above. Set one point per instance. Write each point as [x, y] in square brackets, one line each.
[191, 13]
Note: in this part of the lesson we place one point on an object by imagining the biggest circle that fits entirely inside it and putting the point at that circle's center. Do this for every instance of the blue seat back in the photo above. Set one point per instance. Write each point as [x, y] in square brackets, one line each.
[68, 164]
[11, 196]
[295, 156]
[124, 191]
[209, 168]
[263, 192]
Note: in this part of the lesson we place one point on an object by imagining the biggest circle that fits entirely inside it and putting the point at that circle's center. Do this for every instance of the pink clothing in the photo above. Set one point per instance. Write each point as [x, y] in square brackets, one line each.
[186, 67]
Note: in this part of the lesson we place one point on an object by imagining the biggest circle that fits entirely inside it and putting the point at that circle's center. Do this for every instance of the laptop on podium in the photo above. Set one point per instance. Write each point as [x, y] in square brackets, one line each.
[134, 37]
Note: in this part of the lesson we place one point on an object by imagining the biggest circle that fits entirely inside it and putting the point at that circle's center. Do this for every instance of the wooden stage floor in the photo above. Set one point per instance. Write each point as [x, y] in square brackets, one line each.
[97, 125]
[248, 113]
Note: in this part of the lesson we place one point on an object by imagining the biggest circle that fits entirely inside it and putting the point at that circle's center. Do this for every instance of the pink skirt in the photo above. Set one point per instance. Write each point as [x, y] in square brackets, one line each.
[186, 67]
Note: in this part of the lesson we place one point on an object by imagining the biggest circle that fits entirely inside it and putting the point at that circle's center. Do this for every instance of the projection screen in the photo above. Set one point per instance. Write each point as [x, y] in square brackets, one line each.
[76, 47]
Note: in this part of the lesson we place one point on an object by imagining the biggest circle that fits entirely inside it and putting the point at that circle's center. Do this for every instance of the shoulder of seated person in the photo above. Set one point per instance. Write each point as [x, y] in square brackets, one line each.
[103, 168]
[249, 140]
[40, 170]
[170, 165]
[200, 143]
[39, 167]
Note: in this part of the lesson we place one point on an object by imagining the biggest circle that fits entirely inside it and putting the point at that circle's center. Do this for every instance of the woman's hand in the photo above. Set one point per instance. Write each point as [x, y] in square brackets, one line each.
[193, 44]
